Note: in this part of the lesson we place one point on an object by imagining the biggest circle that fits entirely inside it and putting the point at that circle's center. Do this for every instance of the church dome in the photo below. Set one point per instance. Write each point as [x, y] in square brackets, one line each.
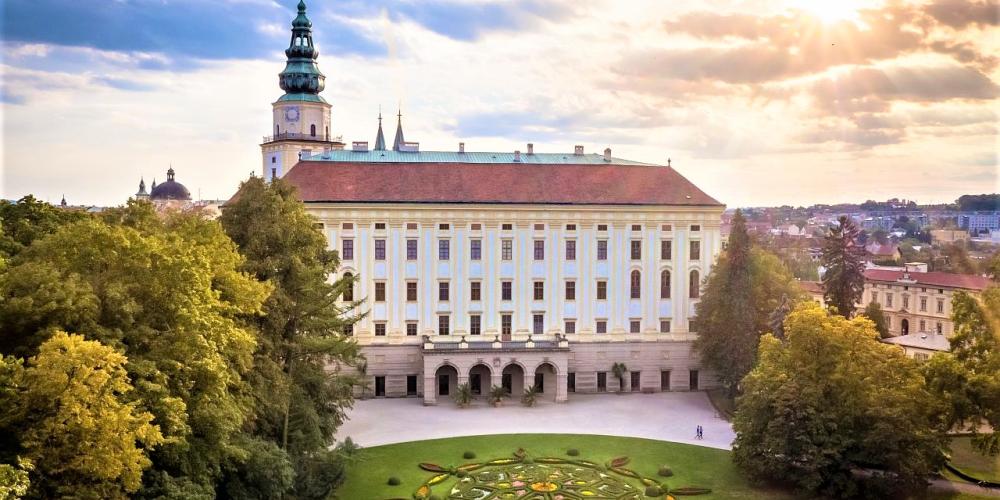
[170, 190]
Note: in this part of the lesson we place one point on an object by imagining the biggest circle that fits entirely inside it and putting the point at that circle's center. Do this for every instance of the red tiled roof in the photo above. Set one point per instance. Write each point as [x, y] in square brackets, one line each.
[882, 250]
[337, 182]
[812, 286]
[965, 281]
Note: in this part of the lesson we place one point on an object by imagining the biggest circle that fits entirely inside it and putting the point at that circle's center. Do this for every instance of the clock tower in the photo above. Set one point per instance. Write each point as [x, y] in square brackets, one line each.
[301, 117]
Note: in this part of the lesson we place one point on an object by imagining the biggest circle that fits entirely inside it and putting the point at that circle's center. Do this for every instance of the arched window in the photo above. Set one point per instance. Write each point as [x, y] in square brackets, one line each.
[636, 287]
[665, 284]
[327, 136]
[277, 129]
[312, 130]
[349, 292]
[694, 286]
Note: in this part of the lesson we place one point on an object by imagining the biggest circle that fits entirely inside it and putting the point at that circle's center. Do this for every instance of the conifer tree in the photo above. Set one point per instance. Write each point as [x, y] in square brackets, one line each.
[844, 279]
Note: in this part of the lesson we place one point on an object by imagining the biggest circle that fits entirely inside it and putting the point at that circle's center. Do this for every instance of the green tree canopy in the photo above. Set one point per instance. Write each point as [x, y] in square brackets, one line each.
[86, 435]
[745, 287]
[171, 297]
[298, 403]
[831, 399]
[27, 220]
[873, 311]
[844, 279]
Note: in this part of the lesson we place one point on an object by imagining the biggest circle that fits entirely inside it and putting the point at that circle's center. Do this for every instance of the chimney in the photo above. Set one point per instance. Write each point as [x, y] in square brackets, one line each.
[531, 148]
[578, 150]
[607, 154]
[517, 155]
[461, 147]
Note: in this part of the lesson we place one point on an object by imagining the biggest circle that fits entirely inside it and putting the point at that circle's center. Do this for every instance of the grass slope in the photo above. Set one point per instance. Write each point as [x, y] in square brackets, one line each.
[972, 462]
[692, 465]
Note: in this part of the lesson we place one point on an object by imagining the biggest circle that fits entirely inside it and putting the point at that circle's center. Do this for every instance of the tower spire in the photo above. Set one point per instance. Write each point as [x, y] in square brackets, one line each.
[379, 137]
[399, 132]
[301, 78]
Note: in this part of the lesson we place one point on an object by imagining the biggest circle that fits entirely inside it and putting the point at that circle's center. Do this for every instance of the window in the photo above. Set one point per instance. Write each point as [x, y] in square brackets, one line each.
[602, 381]
[476, 249]
[443, 290]
[411, 249]
[939, 328]
[505, 321]
[635, 381]
[443, 324]
[602, 326]
[570, 249]
[602, 227]
[695, 285]
[940, 306]
[906, 301]
[475, 291]
[888, 300]
[539, 250]
[664, 326]
[539, 227]
[695, 228]
[666, 250]
[506, 227]
[475, 324]
[505, 290]
[537, 324]
[539, 290]
[411, 226]
[571, 227]
[636, 227]
[411, 329]
[570, 327]
[312, 130]
[920, 356]
[923, 326]
[348, 249]
[665, 284]
[379, 249]
[634, 326]
[347, 226]
[411, 385]
[602, 249]
[506, 249]
[636, 249]
[602, 290]
[348, 330]
[380, 226]
[349, 291]
[411, 291]
[635, 285]
[444, 249]
[380, 329]
[665, 380]
[444, 227]
[923, 303]
[570, 290]
[570, 382]
[666, 228]
[695, 250]
[380, 291]
[476, 227]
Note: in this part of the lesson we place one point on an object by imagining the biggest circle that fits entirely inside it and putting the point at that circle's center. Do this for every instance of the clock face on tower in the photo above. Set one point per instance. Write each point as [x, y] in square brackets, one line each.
[292, 114]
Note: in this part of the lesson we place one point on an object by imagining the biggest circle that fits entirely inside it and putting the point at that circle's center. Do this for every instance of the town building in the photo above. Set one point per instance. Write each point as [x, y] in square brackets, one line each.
[979, 222]
[505, 268]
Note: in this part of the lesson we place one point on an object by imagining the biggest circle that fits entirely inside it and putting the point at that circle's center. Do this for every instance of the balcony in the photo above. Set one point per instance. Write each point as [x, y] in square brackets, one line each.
[295, 136]
[451, 345]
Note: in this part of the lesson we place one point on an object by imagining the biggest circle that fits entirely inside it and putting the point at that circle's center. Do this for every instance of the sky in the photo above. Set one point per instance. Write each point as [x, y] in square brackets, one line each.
[758, 102]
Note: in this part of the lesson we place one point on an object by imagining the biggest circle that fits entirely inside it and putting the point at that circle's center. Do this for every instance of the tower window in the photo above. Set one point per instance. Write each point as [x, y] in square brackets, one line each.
[312, 130]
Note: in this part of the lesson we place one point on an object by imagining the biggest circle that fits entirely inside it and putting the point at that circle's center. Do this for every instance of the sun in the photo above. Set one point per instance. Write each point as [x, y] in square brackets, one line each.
[833, 11]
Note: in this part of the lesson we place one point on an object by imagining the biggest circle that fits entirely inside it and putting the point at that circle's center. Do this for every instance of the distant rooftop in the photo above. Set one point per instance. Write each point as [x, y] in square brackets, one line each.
[928, 341]
[381, 156]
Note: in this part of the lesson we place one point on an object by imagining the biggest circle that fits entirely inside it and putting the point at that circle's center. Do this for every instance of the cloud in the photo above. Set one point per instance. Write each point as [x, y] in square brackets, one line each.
[867, 87]
[122, 83]
[962, 13]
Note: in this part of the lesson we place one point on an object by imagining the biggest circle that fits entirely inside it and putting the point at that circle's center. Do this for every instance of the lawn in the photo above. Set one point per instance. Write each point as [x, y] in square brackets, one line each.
[692, 465]
[973, 463]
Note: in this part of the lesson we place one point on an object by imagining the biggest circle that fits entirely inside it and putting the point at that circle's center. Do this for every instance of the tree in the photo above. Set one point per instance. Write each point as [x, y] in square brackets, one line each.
[619, 370]
[873, 311]
[955, 259]
[29, 219]
[170, 296]
[745, 286]
[298, 404]
[82, 430]
[844, 279]
[968, 379]
[832, 399]
[993, 267]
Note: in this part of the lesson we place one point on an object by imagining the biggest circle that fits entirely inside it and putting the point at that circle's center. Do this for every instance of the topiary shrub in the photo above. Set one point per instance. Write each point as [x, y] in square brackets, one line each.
[573, 452]
[462, 473]
[665, 471]
[654, 491]
[393, 481]
[468, 454]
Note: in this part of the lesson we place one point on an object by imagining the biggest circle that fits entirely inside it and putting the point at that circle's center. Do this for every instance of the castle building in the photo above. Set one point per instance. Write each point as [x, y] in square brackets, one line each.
[501, 268]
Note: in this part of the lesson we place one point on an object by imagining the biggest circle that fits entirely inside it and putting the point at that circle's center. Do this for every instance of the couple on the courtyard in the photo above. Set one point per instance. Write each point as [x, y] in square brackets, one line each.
[699, 432]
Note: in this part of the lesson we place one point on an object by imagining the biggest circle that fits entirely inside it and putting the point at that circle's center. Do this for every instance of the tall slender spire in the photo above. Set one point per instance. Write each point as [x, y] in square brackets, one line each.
[379, 138]
[399, 132]
[301, 78]
[142, 189]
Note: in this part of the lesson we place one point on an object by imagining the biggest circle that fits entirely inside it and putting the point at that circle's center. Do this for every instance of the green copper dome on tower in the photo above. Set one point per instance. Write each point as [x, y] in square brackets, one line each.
[301, 80]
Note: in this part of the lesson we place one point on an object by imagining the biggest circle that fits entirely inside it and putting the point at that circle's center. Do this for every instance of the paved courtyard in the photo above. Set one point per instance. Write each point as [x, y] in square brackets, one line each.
[666, 416]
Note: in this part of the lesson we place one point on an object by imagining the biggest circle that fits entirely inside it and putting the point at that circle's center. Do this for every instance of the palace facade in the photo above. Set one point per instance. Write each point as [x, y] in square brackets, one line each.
[501, 268]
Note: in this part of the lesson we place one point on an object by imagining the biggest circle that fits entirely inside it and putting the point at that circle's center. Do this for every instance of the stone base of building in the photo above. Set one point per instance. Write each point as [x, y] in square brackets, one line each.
[558, 371]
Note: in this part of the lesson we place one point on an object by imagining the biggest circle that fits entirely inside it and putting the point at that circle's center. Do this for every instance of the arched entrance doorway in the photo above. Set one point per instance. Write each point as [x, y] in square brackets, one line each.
[512, 379]
[905, 326]
[545, 381]
[480, 378]
[446, 378]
